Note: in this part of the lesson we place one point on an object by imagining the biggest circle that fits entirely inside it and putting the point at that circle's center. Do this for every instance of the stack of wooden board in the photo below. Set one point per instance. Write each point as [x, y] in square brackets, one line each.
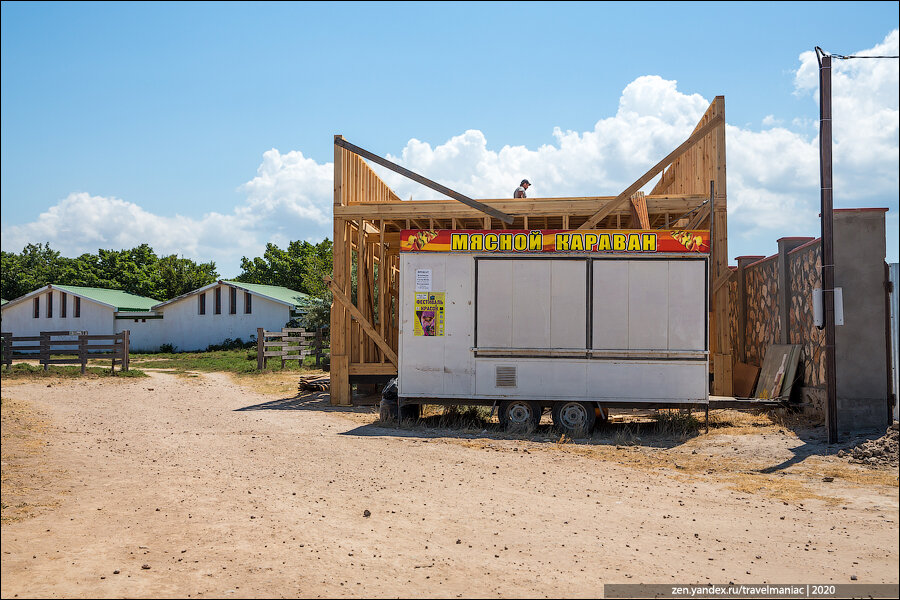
[314, 383]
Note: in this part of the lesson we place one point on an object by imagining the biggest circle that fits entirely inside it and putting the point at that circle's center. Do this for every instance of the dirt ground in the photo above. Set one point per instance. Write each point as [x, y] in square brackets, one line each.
[182, 486]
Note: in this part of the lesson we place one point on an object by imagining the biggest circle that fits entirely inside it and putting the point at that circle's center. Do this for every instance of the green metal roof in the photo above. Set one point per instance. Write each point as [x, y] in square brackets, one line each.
[123, 301]
[298, 299]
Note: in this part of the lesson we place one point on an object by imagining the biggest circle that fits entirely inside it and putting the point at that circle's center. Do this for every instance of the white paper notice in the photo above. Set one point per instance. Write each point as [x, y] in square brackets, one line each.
[423, 280]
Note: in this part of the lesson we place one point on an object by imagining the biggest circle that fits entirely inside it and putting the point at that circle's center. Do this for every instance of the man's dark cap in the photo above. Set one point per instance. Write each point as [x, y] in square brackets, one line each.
[524, 181]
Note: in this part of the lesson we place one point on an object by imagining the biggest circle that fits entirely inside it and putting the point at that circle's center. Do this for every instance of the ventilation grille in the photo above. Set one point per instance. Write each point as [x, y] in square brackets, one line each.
[505, 376]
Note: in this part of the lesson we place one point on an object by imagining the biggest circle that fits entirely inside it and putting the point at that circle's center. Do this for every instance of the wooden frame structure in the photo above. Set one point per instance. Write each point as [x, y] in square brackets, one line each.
[369, 216]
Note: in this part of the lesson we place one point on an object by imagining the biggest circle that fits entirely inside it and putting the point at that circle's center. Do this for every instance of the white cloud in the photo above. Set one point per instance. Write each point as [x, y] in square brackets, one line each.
[289, 199]
[773, 180]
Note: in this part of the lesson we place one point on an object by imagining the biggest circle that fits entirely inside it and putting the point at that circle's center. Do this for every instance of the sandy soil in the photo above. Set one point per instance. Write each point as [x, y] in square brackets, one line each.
[197, 487]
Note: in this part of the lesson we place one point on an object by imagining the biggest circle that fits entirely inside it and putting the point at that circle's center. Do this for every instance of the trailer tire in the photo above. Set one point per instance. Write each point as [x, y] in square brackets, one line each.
[519, 416]
[575, 419]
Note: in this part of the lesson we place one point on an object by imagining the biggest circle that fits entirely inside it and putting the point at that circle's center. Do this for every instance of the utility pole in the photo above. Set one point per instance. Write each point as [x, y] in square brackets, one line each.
[827, 217]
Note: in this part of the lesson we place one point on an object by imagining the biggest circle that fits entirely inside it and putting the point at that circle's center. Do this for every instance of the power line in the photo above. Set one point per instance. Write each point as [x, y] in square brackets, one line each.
[842, 57]
[822, 53]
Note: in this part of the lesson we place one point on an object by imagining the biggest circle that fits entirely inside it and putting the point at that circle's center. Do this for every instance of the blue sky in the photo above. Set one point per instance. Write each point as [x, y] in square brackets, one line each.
[196, 119]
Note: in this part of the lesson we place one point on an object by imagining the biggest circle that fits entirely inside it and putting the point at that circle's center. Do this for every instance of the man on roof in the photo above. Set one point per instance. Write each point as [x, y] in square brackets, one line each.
[520, 191]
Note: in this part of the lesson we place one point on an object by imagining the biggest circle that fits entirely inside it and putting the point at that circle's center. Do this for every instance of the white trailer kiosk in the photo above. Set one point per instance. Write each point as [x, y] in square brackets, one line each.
[570, 320]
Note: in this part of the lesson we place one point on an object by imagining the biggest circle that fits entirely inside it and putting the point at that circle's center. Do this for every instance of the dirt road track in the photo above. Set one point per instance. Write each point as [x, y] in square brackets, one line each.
[219, 491]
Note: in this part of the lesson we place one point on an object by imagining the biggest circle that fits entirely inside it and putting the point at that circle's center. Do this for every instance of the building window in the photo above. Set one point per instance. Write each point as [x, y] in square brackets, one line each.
[248, 304]
[62, 304]
[50, 305]
[218, 298]
[37, 307]
[232, 300]
[202, 300]
[76, 308]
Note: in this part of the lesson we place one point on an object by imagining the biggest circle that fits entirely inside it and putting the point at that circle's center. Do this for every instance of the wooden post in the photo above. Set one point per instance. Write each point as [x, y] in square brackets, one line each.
[318, 347]
[260, 349]
[82, 352]
[116, 345]
[126, 364]
[723, 360]
[45, 350]
[7, 349]
[340, 319]
[827, 242]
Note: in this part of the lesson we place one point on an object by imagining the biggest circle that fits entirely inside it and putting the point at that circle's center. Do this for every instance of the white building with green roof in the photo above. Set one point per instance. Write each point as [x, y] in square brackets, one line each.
[227, 310]
[75, 308]
[193, 321]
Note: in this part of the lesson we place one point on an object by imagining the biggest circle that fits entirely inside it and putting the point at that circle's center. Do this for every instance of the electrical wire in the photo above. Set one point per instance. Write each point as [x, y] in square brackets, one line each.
[843, 57]
[820, 53]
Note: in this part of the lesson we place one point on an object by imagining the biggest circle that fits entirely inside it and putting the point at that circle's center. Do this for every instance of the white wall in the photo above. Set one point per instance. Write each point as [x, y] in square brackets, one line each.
[145, 335]
[188, 330]
[96, 319]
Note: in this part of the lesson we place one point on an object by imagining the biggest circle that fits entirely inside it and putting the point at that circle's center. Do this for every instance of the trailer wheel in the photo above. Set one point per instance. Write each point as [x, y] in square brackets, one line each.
[575, 419]
[520, 415]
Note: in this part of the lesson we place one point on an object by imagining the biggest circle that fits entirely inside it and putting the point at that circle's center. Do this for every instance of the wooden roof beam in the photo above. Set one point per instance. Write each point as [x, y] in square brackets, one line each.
[653, 172]
[423, 180]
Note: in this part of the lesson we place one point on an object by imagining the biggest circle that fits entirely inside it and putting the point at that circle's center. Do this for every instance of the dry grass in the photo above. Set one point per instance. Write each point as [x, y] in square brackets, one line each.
[274, 383]
[26, 473]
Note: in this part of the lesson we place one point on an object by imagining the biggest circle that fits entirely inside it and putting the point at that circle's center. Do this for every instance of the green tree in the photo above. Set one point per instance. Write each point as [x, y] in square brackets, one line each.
[137, 270]
[302, 267]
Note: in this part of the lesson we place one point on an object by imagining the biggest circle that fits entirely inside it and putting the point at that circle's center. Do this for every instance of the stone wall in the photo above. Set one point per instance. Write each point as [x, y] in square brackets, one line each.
[805, 265]
[763, 328]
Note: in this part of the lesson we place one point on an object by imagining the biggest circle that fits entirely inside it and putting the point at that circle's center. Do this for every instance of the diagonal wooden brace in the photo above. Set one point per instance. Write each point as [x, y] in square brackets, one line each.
[367, 327]
[489, 210]
[653, 172]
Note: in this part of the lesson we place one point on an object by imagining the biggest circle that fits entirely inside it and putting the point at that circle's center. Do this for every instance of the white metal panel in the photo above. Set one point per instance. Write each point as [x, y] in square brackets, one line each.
[610, 310]
[648, 304]
[459, 309]
[439, 366]
[675, 381]
[536, 379]
[601, 380]
[422, 367]
[687, 305]
[494, 303]
[530, 303]
[568, 304]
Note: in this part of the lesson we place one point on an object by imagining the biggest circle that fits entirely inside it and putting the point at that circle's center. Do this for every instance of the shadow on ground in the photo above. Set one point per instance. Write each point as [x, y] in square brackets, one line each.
[642, 430]
[317, 401]
[646, 434]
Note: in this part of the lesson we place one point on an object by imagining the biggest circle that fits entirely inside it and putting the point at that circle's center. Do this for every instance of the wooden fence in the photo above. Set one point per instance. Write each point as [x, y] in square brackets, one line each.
[292, 344]
[50, 351]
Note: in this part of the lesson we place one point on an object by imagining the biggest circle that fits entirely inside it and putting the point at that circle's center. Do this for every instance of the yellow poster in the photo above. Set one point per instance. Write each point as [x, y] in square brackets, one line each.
[429, 314]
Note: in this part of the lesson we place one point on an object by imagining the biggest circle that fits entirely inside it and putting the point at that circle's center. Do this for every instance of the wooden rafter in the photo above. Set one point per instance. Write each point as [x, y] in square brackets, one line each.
[339, 141]
[653, 172]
